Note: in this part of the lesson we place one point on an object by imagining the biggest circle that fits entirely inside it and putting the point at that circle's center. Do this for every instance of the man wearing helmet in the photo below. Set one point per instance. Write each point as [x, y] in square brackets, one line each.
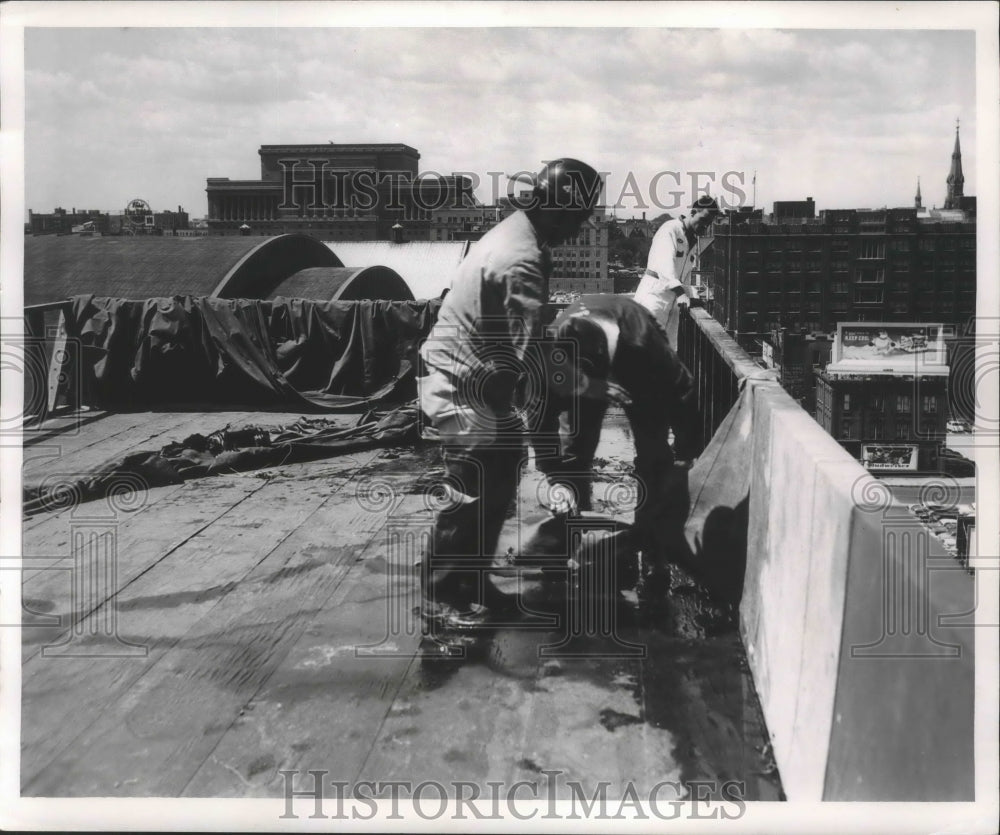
[671, 257]
[484, 339]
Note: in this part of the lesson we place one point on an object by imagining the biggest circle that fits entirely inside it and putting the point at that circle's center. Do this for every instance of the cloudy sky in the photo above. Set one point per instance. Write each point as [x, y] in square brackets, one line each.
[849, 117]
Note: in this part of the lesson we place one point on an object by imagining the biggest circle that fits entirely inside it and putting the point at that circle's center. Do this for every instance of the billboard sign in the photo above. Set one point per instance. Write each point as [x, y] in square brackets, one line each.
[885, 457]
[912, 348]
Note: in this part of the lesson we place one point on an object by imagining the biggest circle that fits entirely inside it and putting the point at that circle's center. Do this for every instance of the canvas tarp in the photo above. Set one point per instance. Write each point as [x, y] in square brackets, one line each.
[228, 450]
[330, 356]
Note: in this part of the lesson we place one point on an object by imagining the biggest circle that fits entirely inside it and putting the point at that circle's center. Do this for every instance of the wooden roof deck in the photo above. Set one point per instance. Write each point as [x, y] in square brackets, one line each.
[264, 623]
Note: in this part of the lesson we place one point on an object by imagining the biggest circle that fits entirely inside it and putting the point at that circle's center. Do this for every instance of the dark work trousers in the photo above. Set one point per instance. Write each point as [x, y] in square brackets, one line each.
[653, 463]
[481, 483]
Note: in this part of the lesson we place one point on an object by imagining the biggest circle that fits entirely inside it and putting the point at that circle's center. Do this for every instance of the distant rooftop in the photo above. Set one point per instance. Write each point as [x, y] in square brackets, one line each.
[426, 266]
[57, 267]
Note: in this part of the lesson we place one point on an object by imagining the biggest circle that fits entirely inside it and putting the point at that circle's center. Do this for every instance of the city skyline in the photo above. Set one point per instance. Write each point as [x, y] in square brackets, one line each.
[826, 114]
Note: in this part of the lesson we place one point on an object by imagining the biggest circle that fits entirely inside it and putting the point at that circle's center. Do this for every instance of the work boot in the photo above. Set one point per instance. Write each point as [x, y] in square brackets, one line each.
[654, 587]
[460, 611]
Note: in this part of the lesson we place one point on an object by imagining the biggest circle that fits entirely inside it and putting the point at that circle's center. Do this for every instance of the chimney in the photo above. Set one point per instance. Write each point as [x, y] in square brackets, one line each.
[397, 233]
[643, 217]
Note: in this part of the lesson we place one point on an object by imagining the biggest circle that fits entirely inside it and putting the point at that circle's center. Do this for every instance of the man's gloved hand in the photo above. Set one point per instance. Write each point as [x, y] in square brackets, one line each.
[562, 500]
[685, 450]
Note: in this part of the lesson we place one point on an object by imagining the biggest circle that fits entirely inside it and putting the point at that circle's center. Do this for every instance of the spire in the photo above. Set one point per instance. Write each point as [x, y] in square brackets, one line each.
[956, 180]
[918, 202]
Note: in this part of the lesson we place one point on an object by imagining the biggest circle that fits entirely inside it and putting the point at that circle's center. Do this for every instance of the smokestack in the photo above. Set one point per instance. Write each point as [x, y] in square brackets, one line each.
[397, 233]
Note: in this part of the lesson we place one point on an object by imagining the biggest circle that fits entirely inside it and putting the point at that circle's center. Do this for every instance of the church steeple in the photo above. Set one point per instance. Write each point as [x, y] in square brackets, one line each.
[956, 180]
[918, 200]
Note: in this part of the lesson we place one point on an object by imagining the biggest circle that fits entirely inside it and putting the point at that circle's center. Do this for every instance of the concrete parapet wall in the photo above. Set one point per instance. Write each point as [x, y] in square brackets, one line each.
[852, 620]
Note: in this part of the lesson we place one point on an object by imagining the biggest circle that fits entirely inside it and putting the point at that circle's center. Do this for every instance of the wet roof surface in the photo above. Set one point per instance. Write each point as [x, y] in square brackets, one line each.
[264, 622]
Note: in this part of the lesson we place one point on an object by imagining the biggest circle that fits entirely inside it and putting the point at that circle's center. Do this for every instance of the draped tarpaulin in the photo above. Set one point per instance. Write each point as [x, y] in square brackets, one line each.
[228, 450]
[330, 355]
[708, 523]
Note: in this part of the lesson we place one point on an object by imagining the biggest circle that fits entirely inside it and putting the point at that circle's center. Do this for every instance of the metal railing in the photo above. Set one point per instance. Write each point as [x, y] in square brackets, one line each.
[51, 362]
[716, 362]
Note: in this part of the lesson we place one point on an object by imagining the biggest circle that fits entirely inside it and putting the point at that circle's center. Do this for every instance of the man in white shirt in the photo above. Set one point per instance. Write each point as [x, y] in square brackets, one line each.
[671, 258]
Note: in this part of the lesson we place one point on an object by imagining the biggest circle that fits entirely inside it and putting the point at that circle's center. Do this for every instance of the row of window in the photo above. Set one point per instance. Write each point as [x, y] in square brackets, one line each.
[753, 284]
[851, 430]
[871, 248]
[876, 402]
[838, 265]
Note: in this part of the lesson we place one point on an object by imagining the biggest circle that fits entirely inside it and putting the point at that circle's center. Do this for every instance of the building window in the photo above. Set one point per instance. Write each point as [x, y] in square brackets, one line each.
[926, 244]
[929, 404]
[878, 429]
[838, 287]
[867, 295]
[903, 403]
[902, 429]
[871, 275]
[872, 249]
[847, 430]
[847, 402]
[839, 267]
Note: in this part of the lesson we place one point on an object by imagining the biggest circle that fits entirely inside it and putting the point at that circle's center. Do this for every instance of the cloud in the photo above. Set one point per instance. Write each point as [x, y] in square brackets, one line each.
[846, 116]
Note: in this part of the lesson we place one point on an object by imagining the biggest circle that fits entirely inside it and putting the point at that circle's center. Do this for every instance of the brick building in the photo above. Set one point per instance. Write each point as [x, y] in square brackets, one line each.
[796, 271]
[887, 403]
[60, 221]
[334, 192]
[847, 265]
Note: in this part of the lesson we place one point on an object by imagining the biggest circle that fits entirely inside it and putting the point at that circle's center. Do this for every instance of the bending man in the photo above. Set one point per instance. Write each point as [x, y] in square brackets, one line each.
[624, 356]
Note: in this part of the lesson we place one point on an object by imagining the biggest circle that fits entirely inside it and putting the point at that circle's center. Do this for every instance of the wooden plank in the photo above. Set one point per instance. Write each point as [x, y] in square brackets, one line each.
[73, 706]
[48, 534]
[142, 539]
[120, 434]
[323, 705]
[105, 433]
[47, 461]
